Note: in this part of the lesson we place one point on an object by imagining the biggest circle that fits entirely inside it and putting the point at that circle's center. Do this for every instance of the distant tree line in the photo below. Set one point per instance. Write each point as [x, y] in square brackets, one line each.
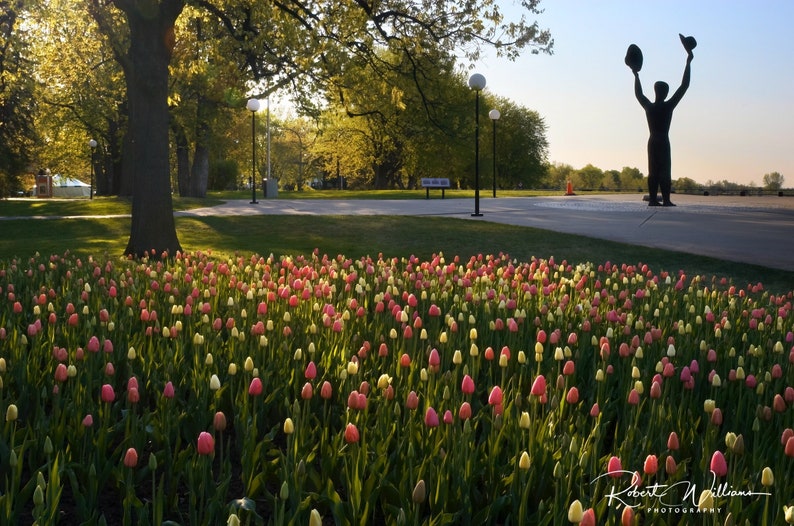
[630, 179]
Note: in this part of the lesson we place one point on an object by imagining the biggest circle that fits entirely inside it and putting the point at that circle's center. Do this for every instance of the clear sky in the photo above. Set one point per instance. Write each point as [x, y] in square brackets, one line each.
[736, 121]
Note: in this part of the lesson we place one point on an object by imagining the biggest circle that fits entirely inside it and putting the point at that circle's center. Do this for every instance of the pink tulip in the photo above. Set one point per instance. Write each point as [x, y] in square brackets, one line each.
[61, 374]
[670, 466]
[219, 421]
[255, 388]
[787, 433]
[412, 402]
[569, 368]
[326, 390]
[788, 450]
[131, 458]
[588, 518]
[307, 391]
[311, 371]
[464, 413]
[595, 410]
[716, 416]
[672, 441]
[448, 418]
[168, 390]
[108, 394]
[88, 420]
[205, 444]
[614, 467]
[93, 344]
[467, 385]
[539, 386]
[718, 464]
[573, 396]
[634, 397]
[133, 396]
[431, 417]
[434, 360]
[627, 517]
[495, 398]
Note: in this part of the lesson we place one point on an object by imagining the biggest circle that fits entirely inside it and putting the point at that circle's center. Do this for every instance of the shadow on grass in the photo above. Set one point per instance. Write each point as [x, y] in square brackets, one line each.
[373, 235]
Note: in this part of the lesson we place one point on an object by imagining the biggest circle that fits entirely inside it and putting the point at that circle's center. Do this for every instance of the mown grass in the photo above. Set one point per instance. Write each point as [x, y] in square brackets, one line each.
[392, 236]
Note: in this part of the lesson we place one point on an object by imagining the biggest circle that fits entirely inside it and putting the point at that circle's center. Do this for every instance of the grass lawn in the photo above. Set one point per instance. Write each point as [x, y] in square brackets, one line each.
[391, 236]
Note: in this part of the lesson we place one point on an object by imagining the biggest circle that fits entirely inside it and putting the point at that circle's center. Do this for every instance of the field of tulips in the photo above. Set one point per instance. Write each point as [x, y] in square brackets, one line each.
[327, 390]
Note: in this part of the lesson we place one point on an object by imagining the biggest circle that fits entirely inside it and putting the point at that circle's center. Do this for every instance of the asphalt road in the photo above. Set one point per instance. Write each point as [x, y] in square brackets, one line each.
[756, 230]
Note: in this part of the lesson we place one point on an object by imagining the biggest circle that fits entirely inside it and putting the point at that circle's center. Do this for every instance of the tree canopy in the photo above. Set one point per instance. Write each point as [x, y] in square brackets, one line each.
[163, 84]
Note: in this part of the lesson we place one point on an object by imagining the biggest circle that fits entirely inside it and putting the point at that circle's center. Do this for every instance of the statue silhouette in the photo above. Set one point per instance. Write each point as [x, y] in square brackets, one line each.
[659, 114]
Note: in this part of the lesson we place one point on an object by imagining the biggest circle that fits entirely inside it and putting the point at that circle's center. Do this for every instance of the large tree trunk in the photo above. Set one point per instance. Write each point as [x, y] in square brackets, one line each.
[151, 24]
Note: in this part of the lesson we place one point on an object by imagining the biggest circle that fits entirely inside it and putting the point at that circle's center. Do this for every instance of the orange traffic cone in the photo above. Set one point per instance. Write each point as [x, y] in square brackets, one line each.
[569, 189]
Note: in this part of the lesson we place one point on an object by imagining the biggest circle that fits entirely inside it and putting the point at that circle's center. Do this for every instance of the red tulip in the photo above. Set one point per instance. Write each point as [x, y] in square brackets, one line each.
[651, 465]
[351, 434]
[573, 395]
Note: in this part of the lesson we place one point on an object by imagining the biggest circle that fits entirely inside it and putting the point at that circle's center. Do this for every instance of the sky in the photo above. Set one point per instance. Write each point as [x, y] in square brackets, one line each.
[736, 121]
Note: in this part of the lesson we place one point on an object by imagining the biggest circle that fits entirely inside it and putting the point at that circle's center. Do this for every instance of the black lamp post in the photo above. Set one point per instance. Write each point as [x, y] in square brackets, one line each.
[92, 144]
[253, 107]
[494, 116]
[477, 83]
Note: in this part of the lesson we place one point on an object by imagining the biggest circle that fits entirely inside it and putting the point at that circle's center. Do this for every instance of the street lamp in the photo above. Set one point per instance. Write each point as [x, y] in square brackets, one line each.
[253, 107]
[477, 83]
[92, 144]
[494, 116]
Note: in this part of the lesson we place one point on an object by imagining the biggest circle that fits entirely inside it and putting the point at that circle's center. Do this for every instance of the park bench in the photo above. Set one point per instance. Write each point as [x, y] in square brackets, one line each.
[434, 182]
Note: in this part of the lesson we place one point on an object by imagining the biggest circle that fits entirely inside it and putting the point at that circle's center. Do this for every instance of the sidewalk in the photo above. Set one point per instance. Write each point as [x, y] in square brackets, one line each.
[754, 230]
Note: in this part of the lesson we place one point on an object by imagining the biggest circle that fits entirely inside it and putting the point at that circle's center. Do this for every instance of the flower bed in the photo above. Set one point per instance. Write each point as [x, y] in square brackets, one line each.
[390, 391]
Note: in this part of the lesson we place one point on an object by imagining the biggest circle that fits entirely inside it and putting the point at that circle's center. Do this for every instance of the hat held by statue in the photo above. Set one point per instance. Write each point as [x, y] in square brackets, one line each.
[689, 43]
[634, 57]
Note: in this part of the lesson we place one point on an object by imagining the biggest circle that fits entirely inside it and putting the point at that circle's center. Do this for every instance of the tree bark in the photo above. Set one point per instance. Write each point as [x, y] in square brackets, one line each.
[151, 25]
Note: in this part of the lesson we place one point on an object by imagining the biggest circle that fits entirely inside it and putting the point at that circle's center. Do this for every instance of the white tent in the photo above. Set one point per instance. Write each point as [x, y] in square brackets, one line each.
[64, 186]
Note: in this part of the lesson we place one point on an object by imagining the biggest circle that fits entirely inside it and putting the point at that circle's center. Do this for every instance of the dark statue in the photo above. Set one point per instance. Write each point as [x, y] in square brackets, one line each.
[659, 114]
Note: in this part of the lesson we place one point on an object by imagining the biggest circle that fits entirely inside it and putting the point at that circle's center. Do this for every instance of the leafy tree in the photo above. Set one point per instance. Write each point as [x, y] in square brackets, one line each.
[631, 179]
[611, 180]
[687, 185]
[590, 177]
[304, 45]
[16, 99]
[558, 175]
[80, 90]
[522, 147]
[773, 181]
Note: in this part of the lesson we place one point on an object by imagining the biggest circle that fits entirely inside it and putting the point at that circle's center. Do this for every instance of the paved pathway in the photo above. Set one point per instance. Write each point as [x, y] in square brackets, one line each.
[757, 230]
